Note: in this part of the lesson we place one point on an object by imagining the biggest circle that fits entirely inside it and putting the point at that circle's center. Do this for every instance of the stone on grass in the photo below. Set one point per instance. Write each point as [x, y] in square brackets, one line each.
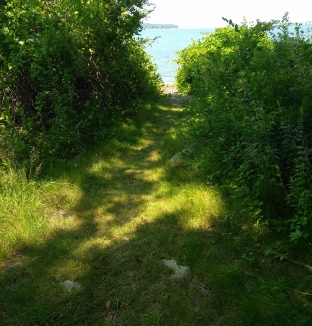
[70, 286]
[180, 273]
[181, 157]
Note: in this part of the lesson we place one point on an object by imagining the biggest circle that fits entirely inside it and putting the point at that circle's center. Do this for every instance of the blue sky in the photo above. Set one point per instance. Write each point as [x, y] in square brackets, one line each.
[205, 13]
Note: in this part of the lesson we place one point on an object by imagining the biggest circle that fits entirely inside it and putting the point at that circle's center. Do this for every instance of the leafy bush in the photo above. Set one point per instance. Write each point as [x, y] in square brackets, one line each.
[254, 113]
[67, 68]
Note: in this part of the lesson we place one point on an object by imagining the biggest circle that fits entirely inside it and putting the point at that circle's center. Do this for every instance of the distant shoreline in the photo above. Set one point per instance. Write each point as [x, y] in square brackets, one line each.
[159, 26]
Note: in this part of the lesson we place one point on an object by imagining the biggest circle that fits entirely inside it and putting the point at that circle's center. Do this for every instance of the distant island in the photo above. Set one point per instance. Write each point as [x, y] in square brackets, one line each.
[151, 26]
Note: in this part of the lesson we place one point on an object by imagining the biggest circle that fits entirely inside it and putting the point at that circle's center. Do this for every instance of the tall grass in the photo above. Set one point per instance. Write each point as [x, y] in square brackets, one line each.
[22, 211]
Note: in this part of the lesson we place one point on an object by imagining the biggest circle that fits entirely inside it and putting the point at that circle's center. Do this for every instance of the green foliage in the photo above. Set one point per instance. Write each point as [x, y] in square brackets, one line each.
[254, 114]
[67, 69]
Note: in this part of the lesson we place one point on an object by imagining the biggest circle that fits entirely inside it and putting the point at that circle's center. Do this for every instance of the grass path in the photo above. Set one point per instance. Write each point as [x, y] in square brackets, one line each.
[111, 216]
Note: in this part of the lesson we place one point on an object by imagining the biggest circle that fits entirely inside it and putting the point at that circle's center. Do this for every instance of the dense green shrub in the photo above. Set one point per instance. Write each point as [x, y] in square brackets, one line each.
[67, 68]
[254, 113]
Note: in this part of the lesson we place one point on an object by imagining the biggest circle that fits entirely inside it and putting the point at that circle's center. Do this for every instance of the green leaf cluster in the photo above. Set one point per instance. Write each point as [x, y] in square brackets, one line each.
[253, 113]
[68, 68]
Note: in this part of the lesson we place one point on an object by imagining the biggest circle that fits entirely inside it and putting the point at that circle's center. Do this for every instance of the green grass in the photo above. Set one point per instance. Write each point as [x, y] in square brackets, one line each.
[21, 214]
[108, 217]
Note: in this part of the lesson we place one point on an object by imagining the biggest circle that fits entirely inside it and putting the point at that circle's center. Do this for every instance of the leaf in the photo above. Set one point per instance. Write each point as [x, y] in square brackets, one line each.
[124, 305]
[5, 30]
[111, 315]
[108, 304]
[268, 251]
[295, 235]
[282, 256]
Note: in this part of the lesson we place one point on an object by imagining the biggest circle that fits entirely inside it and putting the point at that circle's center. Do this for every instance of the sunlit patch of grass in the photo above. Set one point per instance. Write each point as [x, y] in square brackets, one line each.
[21, 212]
[68, 269]
[154, 156]
[197, 205]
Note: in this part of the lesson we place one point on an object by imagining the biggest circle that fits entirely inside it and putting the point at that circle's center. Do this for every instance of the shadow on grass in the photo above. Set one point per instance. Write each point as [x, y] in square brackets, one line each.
[110, 245]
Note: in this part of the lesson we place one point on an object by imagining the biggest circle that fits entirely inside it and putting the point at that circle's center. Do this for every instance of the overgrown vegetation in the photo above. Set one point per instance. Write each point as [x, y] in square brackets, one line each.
[254, 116]
[106, 218]
[68, 70]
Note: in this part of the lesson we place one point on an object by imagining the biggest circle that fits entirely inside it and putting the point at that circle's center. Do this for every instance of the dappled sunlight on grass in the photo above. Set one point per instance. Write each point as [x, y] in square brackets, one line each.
[112, 215]
[197, 205]
[154, 156]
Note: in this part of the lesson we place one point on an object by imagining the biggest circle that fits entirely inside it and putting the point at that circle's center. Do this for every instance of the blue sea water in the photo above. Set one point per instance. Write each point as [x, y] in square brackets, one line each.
[164, 49]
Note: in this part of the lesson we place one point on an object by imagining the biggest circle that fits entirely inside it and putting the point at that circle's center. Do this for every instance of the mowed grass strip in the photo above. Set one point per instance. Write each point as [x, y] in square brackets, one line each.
[106, 219]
